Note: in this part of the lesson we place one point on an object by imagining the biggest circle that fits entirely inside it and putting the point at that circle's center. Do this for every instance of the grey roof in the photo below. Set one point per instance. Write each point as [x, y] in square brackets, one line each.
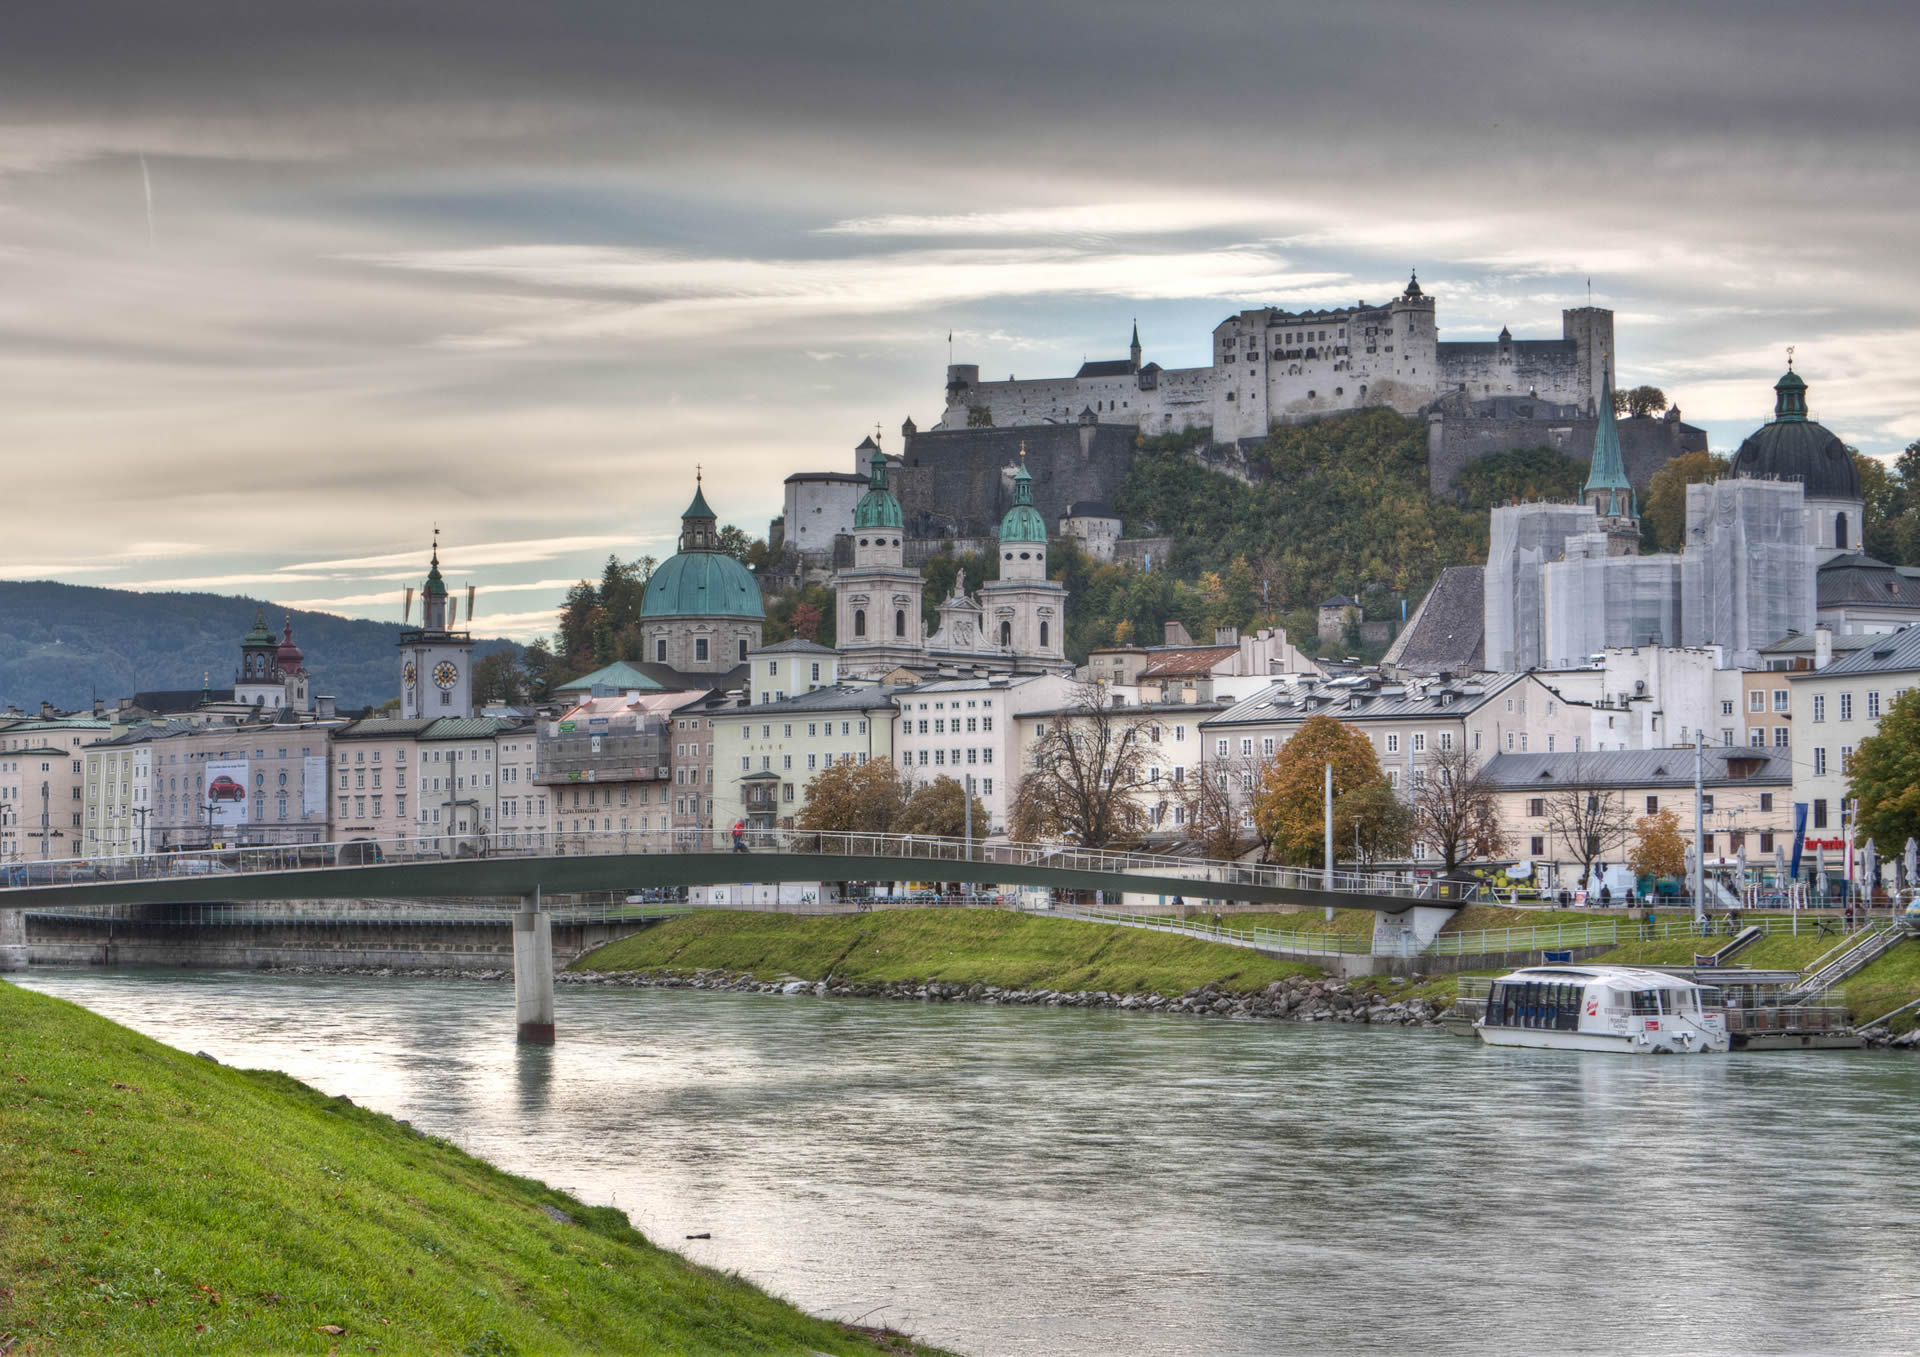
[1860, 579]
[955, 685]
[1801, 643]
[798, 645]
[384, 728]
[153, 730]
[1737, 765]
[840, 697]
[1448, 631]
[1896, 652]
[1112, 367]
[1365, 699]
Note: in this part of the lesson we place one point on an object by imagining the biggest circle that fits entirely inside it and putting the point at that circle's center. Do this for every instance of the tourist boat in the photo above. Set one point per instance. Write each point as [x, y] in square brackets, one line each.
[1604, 1008]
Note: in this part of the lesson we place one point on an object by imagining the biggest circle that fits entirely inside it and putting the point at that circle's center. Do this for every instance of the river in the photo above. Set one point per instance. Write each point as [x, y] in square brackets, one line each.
[1058, 1181]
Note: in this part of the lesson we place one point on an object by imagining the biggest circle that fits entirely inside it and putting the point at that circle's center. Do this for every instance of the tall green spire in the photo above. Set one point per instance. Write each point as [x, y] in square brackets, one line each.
[1023, 522]
[1608, 477]
[1790, 396]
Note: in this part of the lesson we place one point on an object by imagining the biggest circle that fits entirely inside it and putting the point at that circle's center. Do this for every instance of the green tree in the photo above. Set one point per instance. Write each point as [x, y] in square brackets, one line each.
[1374, 822]
[1881, 494]
[1288, 796]
[940, 807]
[739, 544]
[855, 798]
[1639, 401]
[499, 678]
[1663, 513]
[1885, 776]
[1518, 476]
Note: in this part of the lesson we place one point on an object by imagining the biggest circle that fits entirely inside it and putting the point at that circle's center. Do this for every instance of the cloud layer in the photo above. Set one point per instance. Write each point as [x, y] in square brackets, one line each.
[514, 270]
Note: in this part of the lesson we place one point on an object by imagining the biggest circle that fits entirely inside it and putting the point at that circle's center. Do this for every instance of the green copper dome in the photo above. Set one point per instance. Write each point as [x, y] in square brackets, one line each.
[878, 508]
[1023, 522]
[702, 584]
[259, 636]
[1794, 448]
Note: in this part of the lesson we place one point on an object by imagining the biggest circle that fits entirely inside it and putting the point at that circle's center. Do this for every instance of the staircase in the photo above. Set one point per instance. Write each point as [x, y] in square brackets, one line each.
[1837, 965]
[1745, 938]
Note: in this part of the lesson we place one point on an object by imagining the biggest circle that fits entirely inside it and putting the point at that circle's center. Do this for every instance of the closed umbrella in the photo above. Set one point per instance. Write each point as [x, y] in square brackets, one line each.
[1913, 862]
[1819, 882]
[1779, 864]
[1869, 868]
[1740, 867]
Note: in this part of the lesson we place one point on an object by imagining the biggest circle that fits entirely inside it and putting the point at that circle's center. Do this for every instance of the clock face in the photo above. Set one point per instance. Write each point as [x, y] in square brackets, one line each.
[445, 675]
[409, 674]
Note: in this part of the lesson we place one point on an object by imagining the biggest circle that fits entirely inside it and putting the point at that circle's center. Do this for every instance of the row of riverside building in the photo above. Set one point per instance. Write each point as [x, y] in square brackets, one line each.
[710, 727]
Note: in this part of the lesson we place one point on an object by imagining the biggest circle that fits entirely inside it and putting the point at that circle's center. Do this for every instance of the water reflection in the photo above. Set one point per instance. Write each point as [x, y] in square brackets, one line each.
[1028, 1181]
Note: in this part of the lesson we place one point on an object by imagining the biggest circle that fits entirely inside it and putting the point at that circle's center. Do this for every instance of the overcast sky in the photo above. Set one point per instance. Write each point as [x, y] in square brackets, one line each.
[284, 285]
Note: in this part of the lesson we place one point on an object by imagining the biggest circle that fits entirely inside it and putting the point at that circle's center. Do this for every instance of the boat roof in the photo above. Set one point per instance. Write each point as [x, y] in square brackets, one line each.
[1622, 977]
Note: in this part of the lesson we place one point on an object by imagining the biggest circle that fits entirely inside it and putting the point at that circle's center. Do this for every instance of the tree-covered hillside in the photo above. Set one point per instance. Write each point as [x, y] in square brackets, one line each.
[67, 644]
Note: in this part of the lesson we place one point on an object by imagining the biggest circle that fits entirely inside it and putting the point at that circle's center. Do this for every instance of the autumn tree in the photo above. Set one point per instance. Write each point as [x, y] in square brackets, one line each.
[1659, 848]
[855, 798]
[1456, 809]
[1588, 819]
[1639, 401]
[1288, 807]
[1885, 776]
[1088, 774]
[1375, 821]
[1663, 513]
[940, 807]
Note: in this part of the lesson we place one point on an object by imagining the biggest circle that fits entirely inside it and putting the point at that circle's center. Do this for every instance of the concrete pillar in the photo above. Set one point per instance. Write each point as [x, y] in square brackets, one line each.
[13, 940]
[533, 973]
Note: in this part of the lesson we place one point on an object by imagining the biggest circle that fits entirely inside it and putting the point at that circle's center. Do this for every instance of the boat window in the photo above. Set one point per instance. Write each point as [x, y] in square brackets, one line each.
[1646, 1001]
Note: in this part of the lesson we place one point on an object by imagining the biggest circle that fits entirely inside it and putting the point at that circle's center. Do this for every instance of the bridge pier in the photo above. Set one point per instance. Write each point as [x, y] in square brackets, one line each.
[533, 972]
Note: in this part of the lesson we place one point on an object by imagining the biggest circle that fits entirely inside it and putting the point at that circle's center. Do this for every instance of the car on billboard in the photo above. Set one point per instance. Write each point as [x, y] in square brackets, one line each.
[224, 788]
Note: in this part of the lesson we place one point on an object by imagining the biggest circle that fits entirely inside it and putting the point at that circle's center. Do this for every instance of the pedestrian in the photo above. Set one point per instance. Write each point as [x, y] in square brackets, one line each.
[739, 836]
[1606, 896]
[1566, 898]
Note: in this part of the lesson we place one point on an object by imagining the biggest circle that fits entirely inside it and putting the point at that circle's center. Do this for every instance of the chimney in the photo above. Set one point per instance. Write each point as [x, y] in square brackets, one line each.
[47, 713]
[1226, 636]
[323, 708]
[99, 706]
[1822, 646]
[1176, 633]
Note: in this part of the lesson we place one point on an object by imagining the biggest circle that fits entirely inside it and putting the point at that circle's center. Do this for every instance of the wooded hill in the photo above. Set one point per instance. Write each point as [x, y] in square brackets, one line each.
[67, 644]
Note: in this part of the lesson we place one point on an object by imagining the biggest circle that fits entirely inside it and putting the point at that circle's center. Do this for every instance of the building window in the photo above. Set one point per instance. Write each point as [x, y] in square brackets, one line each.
[1537, 807]
[1819, 760]
[1820, 810]
[1393, 744]
[900, 622]
[859, 621]
[1756, 700]
[660, 650]
[1537, 845]
[1780, 737]
[1873, 706]
[1780, 699]
[699, 648]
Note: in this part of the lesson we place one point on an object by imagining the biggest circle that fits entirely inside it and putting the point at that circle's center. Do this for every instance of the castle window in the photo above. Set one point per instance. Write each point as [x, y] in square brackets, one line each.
[900, 622]
[1006, 634]
[859, 621]
[1840, 531]
[1043, 635]
[1339, 391]
[660, 650]
[699, 648]
[1312, 394]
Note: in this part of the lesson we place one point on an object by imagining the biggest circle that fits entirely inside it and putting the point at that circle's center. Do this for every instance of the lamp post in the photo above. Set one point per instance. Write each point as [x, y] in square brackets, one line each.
[141, 813]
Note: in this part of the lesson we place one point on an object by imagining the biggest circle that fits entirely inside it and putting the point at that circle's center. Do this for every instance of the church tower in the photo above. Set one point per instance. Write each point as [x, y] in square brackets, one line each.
[1024, 610]
[436, 664]
[877, 602]
[1608, 490]
[1133, 351]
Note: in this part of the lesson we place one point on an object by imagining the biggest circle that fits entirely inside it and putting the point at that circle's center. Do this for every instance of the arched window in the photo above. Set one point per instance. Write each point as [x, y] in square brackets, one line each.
[1043, 635]
[859, 621]
[1840, 531]
[1006, 634]
[900, 622]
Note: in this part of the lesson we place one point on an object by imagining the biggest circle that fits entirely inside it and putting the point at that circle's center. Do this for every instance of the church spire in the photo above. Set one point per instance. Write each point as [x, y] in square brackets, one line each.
[1608, 489]
[1790, 396]
[1133, 348]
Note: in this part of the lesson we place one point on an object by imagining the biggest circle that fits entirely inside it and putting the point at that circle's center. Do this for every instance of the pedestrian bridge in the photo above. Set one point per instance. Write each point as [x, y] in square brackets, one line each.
[519, 868]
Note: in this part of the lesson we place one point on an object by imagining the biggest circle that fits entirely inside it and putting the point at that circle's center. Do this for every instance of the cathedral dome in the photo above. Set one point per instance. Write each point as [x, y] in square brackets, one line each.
[1794, 448]
[702, 584]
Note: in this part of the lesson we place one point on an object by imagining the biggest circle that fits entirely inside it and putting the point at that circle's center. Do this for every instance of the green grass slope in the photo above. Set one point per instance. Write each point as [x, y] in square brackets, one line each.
[153, 1202]
[1884, 985]
[961, 946]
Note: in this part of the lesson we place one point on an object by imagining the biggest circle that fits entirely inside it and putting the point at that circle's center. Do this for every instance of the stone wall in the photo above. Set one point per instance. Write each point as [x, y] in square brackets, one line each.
[1454, 441]
[958, 482]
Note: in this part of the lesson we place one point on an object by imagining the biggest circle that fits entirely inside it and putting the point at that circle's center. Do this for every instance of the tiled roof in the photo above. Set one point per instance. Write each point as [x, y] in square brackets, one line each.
[1448, 631]
[1641, 768]
[1896, 652]
[1183, 660]
[1110, 367]
[1355, 700]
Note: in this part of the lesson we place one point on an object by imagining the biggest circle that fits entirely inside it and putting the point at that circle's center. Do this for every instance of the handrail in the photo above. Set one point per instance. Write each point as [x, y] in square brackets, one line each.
[214, 862]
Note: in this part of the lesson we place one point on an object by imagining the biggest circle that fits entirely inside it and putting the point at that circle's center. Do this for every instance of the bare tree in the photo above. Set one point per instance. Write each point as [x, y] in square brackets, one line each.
[1590, 820]
[1216, 799]
[1456, 810]
[1087, 775]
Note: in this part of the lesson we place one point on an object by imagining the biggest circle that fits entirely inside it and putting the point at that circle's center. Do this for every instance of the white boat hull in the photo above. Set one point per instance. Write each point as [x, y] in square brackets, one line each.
[1673, 1043]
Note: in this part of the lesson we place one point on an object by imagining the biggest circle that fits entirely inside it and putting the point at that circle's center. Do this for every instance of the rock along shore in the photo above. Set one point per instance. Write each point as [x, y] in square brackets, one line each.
[1296, 999]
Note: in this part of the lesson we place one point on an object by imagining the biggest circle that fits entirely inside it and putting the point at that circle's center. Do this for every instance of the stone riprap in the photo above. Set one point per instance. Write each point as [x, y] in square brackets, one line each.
[1298, 999]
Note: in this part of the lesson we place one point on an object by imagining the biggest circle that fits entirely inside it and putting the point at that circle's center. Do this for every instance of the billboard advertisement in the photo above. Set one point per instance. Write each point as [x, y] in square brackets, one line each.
[313, 787]
[226, 792]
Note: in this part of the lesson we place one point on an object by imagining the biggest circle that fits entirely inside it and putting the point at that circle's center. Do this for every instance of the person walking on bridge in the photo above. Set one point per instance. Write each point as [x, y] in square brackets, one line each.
[739, 836]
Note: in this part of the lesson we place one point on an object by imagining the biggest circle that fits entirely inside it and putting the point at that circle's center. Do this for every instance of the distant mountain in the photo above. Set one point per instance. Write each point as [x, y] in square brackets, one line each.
[67, 644]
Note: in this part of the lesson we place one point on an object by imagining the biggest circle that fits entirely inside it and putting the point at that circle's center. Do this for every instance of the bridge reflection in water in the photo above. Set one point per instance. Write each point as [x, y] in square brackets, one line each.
[520, 870]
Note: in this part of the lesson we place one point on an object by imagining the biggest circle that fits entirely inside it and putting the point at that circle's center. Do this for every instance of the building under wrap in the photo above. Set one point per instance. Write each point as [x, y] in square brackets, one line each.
[1524, 537]
[1593, 601]
[1747, 578]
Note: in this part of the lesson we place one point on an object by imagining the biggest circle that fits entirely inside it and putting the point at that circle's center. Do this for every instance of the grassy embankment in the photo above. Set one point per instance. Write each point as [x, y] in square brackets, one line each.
[151, 1201]
[961, 946]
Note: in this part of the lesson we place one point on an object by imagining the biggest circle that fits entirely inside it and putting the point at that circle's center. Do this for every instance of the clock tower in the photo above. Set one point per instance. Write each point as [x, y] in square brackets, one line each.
[436, 669]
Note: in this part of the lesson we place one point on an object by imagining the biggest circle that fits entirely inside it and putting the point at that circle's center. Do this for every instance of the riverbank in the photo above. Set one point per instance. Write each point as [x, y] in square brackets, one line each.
[155, 1201]
[982, 956]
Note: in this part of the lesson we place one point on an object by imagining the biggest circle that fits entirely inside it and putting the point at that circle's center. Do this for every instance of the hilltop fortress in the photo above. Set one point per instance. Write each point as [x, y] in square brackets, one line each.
[1272, 366]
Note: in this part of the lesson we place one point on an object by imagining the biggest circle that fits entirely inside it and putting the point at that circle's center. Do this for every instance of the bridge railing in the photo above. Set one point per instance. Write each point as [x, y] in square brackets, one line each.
[920, 858]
